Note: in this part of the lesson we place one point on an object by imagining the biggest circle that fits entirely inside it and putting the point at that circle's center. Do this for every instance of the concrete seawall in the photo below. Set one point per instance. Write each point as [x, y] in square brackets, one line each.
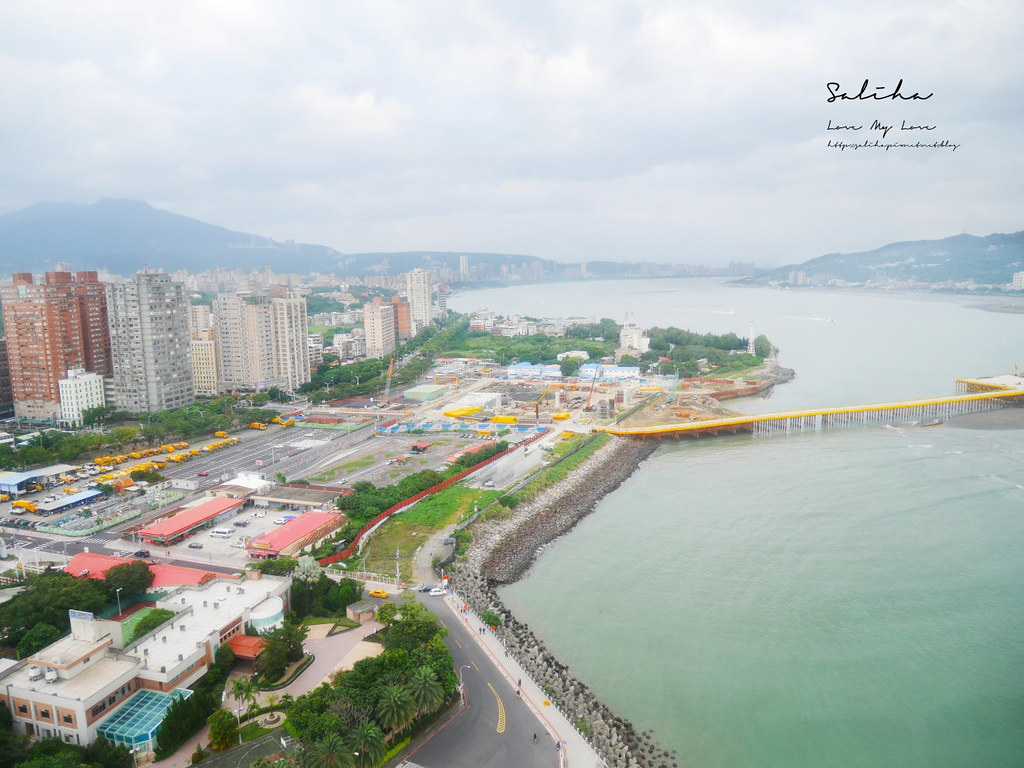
[502, 551]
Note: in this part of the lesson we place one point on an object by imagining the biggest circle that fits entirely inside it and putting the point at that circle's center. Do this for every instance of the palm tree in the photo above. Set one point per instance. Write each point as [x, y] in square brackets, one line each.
[368, 742]
[425, 690]
[395, 709]
[272, 700]
[329, 752]
[243, 689]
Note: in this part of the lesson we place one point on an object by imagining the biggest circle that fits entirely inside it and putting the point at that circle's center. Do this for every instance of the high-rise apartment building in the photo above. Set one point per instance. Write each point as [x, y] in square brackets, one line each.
[200, 317]
[419, 287]
[262, 341]
[379, 324]
[245, 349]
[6, 398]
[150, 345]
[52, 327]
[204, 362]
[403, 319]
[290, 331]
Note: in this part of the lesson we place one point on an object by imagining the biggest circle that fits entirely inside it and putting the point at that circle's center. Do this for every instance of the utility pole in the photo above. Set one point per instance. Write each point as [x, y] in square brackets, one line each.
[397, 576]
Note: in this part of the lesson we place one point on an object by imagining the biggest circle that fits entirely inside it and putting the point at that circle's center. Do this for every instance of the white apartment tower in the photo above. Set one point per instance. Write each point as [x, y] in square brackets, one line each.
[245, 348]
[290, 330]
[149, 344]
[420, 288]
[379, 324]
[262, 341]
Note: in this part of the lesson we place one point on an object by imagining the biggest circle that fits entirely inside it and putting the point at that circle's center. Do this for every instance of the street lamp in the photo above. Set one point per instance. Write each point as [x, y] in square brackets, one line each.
[461, 679]
[117, 592]
[238, 718]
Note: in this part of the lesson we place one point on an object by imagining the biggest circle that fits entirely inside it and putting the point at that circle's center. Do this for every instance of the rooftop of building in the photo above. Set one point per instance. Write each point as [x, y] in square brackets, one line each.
[293, 531]
[298, 495]
[90, 681]
[189, 518]
[68, 650]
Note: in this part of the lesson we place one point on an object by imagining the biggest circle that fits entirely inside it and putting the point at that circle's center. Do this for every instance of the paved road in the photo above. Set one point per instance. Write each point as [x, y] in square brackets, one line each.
[496, 727]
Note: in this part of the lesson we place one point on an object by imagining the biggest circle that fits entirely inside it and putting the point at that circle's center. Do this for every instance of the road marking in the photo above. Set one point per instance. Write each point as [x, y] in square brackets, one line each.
[474, 665]
[460, 645]
[501, 709]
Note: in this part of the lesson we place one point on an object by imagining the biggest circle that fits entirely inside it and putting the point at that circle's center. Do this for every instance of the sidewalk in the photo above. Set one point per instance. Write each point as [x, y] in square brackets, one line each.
[329, 652]
[576, 751]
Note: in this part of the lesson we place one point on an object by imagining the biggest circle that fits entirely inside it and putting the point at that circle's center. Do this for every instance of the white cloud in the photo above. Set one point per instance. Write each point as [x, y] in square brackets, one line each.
[569, 130]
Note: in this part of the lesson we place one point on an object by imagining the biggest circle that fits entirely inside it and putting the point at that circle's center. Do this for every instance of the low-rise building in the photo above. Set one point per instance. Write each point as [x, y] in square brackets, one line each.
[89, 683]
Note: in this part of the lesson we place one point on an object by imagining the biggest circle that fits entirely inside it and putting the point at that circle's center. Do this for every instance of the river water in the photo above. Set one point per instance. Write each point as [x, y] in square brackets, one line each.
[852, 597]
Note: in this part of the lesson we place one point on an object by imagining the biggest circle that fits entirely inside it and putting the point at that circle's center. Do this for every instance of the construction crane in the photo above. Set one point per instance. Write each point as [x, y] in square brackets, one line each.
[597, 372]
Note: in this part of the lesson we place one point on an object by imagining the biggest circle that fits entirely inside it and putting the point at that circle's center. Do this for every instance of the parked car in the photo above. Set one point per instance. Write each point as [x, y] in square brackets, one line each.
[259, 514]
[240, 523]
[141, 553]
[380, 593]
[437, 592]
[195, 545]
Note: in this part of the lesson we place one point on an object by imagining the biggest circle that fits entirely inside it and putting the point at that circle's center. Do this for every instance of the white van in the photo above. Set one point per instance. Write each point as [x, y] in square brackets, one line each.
[220, 533]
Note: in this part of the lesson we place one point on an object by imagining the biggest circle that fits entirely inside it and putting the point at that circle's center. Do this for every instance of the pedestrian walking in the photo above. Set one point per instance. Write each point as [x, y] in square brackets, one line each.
[535, 738]
[520, 683]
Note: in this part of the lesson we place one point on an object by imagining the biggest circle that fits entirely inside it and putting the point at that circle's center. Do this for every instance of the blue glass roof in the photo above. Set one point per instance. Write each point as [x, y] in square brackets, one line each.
[136, 722]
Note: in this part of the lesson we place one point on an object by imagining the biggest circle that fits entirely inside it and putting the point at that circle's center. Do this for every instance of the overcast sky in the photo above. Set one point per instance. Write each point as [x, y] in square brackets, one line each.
[667, 131]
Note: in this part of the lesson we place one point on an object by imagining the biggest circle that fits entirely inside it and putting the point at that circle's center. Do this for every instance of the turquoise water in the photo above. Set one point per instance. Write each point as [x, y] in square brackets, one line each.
[853, 598]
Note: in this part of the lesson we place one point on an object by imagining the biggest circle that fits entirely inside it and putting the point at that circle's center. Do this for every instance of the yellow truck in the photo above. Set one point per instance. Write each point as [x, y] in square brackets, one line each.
[22, 506]
[257, 425]
[220, 434]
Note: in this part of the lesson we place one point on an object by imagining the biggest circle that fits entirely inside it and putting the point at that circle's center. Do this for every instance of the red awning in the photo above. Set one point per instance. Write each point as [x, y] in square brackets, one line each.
[246, 646]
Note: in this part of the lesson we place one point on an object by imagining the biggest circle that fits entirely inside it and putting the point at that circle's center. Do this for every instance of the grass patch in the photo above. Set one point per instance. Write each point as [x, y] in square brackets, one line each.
[311, 620]
[252, 731]
[358, 464]
[448, 506]
[558, 472]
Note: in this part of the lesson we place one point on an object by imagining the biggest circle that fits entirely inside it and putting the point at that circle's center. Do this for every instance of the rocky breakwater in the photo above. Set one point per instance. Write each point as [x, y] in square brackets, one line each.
[501, 553]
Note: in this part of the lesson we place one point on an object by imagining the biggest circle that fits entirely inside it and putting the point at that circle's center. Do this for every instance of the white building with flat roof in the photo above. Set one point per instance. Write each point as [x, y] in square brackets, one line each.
[71, 689]
[79, 391]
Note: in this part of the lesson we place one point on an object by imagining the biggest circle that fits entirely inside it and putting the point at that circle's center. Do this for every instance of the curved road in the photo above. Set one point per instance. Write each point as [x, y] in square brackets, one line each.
[496, 727]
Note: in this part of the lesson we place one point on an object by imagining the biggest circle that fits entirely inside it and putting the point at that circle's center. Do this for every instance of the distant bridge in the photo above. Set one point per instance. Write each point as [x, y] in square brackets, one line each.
[980, 397]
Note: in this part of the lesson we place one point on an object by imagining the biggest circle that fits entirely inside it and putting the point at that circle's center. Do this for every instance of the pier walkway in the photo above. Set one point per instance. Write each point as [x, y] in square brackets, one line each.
[980, 397]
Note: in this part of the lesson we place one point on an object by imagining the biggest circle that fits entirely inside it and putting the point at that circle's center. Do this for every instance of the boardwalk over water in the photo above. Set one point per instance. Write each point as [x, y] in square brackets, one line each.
[824, 418]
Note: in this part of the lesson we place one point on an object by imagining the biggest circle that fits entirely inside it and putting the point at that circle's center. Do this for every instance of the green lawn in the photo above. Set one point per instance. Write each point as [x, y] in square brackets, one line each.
[129, 624]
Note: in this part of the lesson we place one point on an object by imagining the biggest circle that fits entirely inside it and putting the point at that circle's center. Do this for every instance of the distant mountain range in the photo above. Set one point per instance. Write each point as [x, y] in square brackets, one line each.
[122, 236]
[990, 260]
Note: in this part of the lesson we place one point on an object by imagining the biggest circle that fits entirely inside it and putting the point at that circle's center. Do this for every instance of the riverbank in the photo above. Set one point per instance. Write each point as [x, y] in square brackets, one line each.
[503, 551]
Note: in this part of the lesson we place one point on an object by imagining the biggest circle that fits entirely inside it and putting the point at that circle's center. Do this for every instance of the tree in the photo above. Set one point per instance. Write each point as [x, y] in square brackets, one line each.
[244, 690]
[416, 628]
[223, 729]
[108, 755]
[396, 709]
[425, 691]
[762, 347]
[368, 741]
[387, 613]
[132, 578]
[124, 435]
[153, 619]
[490, 618]
[570, 366]
[40, 636]
[331, 751]
[46, 599]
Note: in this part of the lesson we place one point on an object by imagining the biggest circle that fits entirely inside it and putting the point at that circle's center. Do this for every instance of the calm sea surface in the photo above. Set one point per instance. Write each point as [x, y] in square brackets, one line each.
[847, 598]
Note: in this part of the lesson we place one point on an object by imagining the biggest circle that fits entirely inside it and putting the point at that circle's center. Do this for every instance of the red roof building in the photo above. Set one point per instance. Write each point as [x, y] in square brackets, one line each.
[173, 529]
[95, 566]
[296, 534]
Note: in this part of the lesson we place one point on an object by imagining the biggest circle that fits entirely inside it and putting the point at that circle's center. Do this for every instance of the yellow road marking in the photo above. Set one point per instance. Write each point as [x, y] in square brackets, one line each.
[501, 709]
[474, 665]
[460, 645]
